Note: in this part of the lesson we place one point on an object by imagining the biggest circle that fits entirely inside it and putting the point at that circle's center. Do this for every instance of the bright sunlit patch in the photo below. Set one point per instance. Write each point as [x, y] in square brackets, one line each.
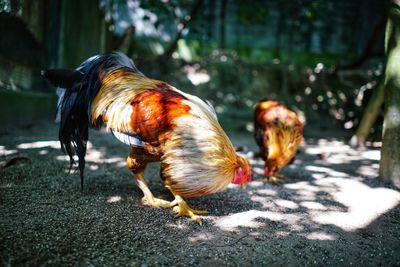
[324, 146]
[40, 144]
[247, 219]
[364, 204]
[258, 170]
[372, 155]
[266, 192]
[44, 152]
[320, 236]
[302, 187]
[62, 158]
[93, 167]
[286, 204]
[369, 171]
[312, 205]
[329, 171]
[6, 152]
[114, 199]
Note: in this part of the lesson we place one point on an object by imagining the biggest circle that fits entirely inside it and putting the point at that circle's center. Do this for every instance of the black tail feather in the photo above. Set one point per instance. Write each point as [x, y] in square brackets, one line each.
[62, 78]
[82, 85]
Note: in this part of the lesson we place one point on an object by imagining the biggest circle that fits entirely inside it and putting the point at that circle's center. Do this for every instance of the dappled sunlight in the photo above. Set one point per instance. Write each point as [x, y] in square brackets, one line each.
[93, 167]
[333, 155]
[311, 205]
[328, 171]
[258, 170]
[320, 236]
[364, 204]
[369, 170]
[286, 204]
[44, 152]
[318, 204]
[7, 152]
[97, 156]
[328, 195]
[114, 199]
[358, 205]
[246, 219]
[266, 192]
[372, 154]
[333, 192]
[40, 144]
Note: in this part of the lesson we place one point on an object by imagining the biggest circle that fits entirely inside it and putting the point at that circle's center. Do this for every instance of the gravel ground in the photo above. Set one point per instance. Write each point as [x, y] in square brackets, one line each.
[330, 211]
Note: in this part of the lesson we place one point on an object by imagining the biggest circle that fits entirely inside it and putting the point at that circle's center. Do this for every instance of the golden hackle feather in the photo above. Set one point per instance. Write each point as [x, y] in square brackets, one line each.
[119, 88]
[199, 157]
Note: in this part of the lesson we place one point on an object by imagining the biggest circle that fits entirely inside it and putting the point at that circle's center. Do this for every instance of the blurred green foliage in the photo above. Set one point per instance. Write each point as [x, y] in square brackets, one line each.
[233, 54]
[234, 81]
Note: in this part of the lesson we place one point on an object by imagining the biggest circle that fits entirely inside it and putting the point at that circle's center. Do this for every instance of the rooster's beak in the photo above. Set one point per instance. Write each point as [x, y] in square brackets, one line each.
[244, 186]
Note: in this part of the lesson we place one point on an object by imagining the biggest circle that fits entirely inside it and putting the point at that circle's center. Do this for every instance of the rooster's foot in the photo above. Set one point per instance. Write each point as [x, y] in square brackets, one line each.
[275, 179]
[183, 209]
[150, 200]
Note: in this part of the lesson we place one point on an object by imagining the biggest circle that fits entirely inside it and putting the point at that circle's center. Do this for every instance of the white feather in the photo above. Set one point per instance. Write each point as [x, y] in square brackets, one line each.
[128, 139]
[60, 93]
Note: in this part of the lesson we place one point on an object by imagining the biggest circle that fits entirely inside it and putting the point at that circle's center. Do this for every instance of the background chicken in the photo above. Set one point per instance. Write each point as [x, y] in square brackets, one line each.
[158, 121]
[278, 133]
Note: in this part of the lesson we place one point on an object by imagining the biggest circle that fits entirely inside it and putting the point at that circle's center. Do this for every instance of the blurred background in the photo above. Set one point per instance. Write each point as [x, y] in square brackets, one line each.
[323, 59]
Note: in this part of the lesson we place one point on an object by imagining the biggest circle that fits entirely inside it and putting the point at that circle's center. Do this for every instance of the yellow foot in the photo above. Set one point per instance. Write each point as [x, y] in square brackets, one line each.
[276, 180]
[150, 200]
[183, 209]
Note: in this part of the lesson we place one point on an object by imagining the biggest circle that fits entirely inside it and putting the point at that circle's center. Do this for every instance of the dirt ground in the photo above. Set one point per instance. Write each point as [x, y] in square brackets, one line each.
[330, 211]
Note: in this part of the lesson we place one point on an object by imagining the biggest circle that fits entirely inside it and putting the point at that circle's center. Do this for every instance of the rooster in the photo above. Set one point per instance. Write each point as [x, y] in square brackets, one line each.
[158, 122]
[278, 133]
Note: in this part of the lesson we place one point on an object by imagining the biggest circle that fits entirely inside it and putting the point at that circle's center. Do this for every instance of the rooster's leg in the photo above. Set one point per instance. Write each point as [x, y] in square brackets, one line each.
[137, 162]
[183, 209]
[148, 198]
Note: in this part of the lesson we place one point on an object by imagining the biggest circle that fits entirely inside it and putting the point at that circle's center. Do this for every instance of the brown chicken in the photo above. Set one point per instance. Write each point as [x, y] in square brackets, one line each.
[278, 133]
[158, 121]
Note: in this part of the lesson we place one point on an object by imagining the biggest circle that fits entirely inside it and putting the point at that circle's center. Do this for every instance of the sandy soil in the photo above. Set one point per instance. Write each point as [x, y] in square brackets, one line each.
[330, 211]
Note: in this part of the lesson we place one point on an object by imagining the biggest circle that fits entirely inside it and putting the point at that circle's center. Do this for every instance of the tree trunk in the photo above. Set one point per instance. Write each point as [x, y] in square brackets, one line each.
[390, 154]
[81, 31]
[369, 116]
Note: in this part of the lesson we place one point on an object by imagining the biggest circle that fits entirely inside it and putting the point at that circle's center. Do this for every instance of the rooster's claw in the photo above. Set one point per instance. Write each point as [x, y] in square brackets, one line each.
[183, 209]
